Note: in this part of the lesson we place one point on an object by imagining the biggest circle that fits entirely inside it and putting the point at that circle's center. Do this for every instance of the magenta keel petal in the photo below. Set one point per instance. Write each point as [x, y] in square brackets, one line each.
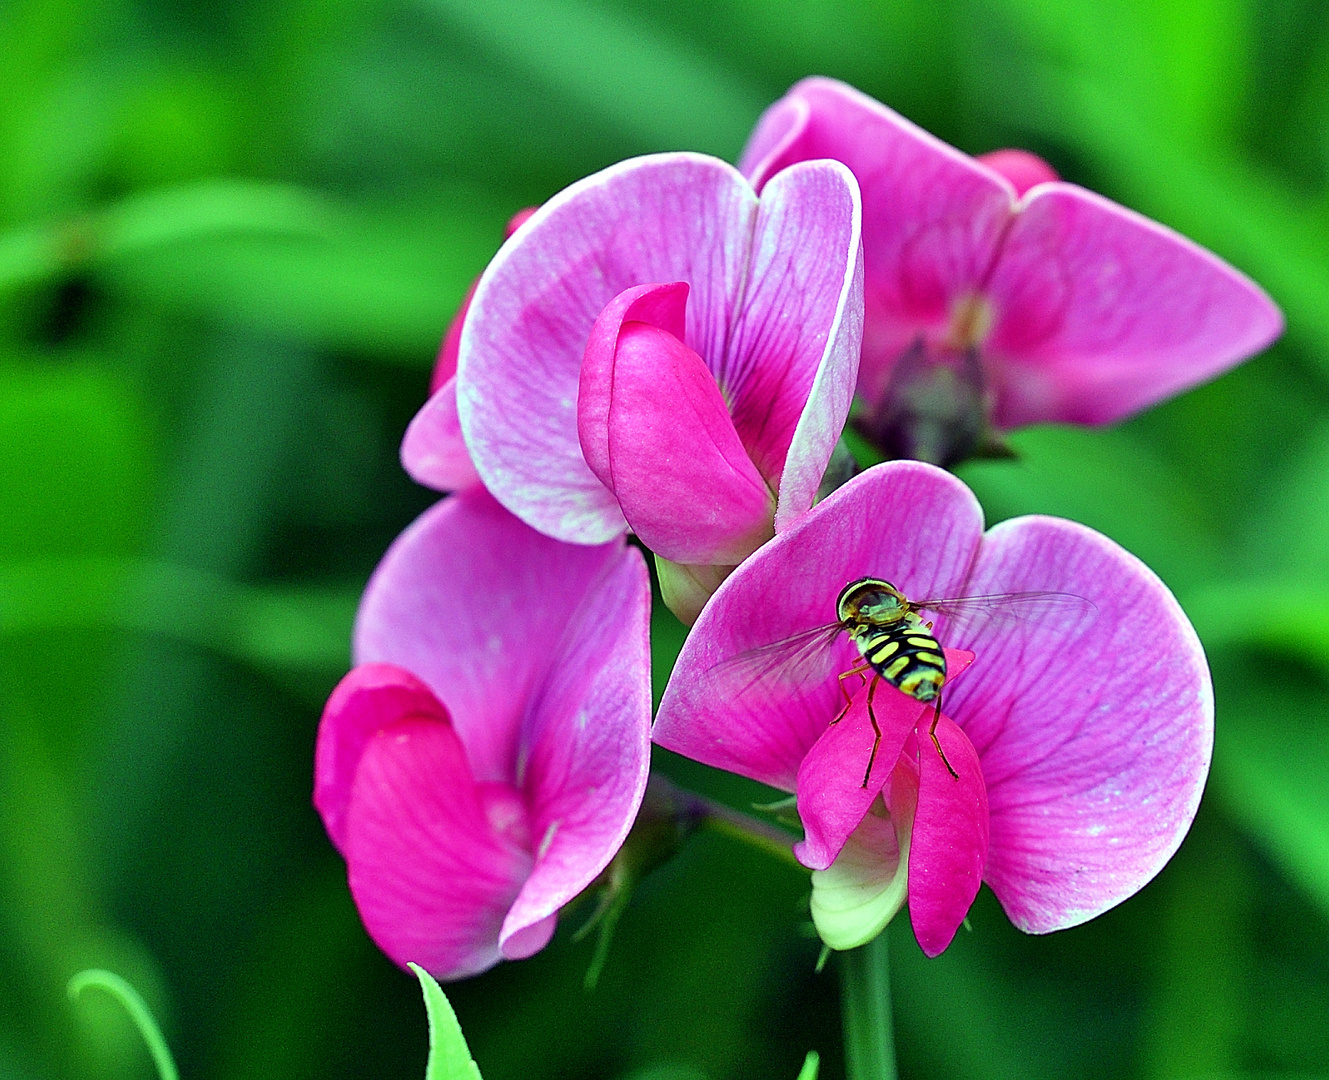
[949, 845]
[1021, 168]
[685, 484]
[835, 788]
[431, 874]
[663, 306]
[369, 699]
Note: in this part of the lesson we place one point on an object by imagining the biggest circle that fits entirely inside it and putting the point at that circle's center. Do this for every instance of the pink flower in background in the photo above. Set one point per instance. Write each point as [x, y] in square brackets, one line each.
[660, 350]
[484, 762]
[1081, 738]
[433, 443]
[994, 288]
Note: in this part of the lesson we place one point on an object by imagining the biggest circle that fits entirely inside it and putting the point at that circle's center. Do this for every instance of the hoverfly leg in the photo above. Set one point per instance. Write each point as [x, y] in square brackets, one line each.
[847, 699]
[872, 689]
[932, 732]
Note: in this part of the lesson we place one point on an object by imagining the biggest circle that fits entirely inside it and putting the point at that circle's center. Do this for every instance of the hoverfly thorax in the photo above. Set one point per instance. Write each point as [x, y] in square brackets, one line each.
[870, 602]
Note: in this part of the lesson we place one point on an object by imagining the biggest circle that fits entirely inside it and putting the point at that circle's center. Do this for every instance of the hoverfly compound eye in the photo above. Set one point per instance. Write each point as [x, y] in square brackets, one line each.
[851, 597]
[869, 599]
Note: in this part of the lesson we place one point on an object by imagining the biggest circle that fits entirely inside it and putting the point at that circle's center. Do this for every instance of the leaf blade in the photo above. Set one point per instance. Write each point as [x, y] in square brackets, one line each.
[449, 1056]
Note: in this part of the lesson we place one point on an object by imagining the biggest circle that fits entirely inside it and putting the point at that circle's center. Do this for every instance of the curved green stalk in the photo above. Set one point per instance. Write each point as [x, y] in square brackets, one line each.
[865, 1005]
[138, 1012]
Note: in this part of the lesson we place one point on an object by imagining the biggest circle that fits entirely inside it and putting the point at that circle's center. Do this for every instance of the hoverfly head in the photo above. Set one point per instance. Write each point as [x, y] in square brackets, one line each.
[870, 601]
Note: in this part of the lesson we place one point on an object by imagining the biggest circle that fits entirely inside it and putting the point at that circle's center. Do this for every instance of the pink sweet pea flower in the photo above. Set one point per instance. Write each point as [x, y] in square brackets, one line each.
[1081, 737]
[433, 444]
[993, 290]
[659, 349]
[485, 761]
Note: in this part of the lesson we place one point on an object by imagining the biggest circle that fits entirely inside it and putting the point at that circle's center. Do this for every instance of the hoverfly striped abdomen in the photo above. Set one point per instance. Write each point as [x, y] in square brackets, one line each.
[892, 638]
[906, 655]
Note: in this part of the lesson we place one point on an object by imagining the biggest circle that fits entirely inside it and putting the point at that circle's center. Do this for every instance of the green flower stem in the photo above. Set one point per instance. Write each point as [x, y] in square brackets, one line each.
[771, 839]
[865, 1004]
[138, 1012]
[689, 810]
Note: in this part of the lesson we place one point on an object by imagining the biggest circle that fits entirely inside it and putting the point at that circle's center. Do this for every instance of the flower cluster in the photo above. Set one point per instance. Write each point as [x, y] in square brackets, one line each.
[671, 348]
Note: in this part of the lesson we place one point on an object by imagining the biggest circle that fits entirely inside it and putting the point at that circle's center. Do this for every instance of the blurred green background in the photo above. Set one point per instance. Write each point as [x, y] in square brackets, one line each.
[231, 236]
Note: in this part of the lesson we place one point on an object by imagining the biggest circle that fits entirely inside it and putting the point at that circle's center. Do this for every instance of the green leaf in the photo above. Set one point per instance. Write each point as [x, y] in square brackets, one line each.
[1271, 769]
[1134, 498]
[449, 1057]
[270, 628]
[383, 279]
[667, 637]
[811, 1066]
[1289, 619]
[1271, 754]
[138, 1011]
[661, 93]
[1290, 538]
[213, 208]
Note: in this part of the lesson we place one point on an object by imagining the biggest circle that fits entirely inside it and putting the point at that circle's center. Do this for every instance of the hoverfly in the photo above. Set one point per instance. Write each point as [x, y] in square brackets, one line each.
[895, 644]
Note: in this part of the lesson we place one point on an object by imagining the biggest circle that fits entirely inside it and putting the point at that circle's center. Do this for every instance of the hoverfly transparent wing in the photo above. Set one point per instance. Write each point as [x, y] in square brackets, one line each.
[802, 658]
[969, 612]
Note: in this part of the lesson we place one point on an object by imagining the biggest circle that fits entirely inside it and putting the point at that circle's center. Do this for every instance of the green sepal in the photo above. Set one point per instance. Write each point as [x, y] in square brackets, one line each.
[449, 1056]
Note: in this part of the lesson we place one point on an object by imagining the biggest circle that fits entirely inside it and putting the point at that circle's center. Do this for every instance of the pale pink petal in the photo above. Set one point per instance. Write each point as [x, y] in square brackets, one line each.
[432, 451]
[914, 525]
[1021, 168]
[686, 486]
[529, 940]
[834, 787]
[791, 361]
[431, 874]
[1100, 312]
[589, 739]
[368, 699]
[470, 599]
[932, 217]
[664, 218]
[1094, 724]
[662, 305]
[949, 844]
